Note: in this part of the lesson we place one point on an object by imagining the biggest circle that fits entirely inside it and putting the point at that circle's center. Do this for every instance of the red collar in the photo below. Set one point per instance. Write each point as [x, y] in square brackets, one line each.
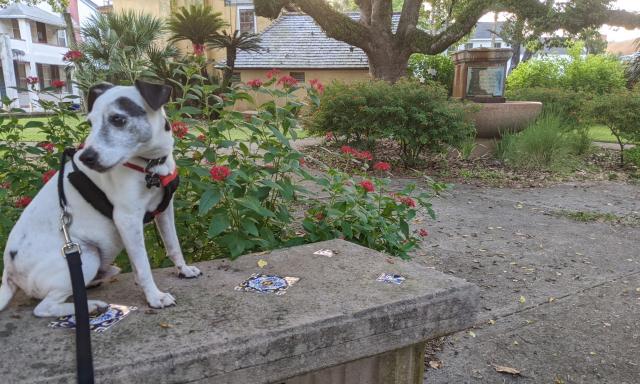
[164, 180]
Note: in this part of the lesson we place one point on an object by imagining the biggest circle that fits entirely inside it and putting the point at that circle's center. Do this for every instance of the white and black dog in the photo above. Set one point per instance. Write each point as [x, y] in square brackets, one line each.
[129, 128]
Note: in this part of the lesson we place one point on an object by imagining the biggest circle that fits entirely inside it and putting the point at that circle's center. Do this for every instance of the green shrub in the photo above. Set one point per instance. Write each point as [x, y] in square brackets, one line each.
[545, 73]
[632, 156]
[438, 68]
[619, 112]
[598, 74]
[418, 116]
[545, 145]
[567, 103]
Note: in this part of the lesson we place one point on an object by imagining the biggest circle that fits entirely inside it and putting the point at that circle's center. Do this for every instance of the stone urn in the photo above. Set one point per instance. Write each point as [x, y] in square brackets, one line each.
[480, 76]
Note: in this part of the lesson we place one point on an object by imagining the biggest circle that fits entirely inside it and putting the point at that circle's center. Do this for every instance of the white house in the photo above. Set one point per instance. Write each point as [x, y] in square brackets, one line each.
[484, 37]
[33, 42]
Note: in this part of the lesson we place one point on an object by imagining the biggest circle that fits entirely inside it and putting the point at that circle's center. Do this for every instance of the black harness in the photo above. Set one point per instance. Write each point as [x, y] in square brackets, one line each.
[99, 200]
[71, 251]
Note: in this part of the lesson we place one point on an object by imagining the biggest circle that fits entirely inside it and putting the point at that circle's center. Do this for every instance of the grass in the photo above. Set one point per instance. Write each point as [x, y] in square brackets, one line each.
[602, 133]
[35, 135]
[600, 217]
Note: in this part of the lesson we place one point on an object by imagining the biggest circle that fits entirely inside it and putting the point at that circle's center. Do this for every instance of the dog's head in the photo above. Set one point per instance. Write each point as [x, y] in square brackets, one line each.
[126, 122]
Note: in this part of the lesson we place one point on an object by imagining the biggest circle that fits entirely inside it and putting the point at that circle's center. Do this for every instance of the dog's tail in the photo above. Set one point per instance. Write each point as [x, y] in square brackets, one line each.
[7, 289]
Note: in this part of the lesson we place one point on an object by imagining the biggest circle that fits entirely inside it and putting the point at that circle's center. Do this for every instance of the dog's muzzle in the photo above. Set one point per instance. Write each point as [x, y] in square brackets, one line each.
[91, 159]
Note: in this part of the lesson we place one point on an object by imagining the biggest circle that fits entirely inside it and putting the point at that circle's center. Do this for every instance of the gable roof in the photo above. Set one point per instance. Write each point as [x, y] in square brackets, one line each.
[22, 11]
[294, 40]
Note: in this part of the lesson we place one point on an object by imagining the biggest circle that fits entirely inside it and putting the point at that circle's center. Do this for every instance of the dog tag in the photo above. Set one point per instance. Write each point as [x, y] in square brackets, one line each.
[153, 180]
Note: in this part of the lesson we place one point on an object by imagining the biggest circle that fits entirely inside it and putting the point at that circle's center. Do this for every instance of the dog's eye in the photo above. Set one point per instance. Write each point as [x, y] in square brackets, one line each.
[118, 120]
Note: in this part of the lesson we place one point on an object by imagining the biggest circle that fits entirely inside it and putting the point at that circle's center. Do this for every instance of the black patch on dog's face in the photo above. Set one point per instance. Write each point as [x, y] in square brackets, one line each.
[13, 254]
[129, 107]
[167, 126]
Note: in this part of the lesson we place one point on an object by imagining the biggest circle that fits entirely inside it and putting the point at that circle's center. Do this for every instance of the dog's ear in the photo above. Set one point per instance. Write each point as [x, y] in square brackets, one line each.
[96, 91]
[156, 95]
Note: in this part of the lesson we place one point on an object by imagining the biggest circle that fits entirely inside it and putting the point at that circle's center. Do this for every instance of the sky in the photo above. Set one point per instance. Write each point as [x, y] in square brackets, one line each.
[612, 33]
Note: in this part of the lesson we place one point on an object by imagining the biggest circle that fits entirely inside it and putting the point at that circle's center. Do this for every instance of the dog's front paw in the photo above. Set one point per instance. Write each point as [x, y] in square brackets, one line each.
[97, 306]
[189, 272]
[161, 300]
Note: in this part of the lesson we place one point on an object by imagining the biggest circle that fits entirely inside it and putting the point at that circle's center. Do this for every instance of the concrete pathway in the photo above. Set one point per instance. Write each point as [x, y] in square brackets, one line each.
[561, 298]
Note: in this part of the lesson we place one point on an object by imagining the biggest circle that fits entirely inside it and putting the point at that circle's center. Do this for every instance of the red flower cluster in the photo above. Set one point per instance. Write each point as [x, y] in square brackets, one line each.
[272, 73]
[367, 186]
[48, 175]
[220, 172]
[47, 146]
[423, 232]
[362, 155]
[317, 85]
[382, 166]
[33, 80]
[319, 216]
[302, 161]
[23, 202]
[198, 49]
[409, 202]
[287, 81]
[58, 83]
[329, 136]
[202, 137]
[73, 56]
[5, 185]
[180, 129]
[255, 83]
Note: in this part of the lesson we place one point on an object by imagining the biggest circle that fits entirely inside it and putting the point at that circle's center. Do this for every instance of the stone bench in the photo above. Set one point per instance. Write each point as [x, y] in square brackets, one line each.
[336, 325]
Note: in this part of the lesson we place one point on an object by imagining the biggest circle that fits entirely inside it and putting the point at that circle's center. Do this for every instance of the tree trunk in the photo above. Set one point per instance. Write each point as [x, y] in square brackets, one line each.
[515, 59]
[71, 33]
[527, 55]
[232, 52]
[387, 62]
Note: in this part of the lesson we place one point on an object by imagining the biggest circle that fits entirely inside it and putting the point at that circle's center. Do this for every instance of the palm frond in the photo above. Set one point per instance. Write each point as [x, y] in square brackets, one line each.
[196, 24]
[244, 41]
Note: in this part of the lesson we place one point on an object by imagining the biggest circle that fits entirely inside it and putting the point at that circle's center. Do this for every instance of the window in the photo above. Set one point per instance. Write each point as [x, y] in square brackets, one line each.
[246, 20]
[468, 46]
[41, 30]
[235, 78]
[497, 45]
[15, 25]
[62, 38]
[299, 76]
[21, 74]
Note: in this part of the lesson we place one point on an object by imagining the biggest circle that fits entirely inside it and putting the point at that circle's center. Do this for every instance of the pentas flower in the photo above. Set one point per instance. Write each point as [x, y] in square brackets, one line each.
[382, 166]
[47, 146]
[319, 216]
[367, 186]
[409, 202]
[73, 55]
[347, 150]
[180, 129]
[255, 83]
[272, 73]
[364, 155]
[202, 137]
[220, 172]
[58, 83]
[423, 232]
[329, 136]
[32, 80]
[5, 185]
[302, 161]
[317, 85]
[23, 202]
[48, 175]
[198, 49]
[287, 81]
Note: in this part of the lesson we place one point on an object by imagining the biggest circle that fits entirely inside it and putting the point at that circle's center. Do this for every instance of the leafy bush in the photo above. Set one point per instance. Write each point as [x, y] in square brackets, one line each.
[594, 74]
[418, 116]
[438, 68]
[619, 112]
[567, 103]
[545, 73]
[544, 145]
[243, 187]
[632, 156]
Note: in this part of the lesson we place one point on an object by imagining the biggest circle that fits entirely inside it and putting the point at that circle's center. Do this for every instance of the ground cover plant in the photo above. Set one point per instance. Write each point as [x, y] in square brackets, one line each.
[237, 194]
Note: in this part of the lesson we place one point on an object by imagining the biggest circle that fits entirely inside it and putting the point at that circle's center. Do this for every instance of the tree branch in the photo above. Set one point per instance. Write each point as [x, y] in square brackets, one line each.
[365, 11]
[408, 17]
[625, 19]
[381, 12]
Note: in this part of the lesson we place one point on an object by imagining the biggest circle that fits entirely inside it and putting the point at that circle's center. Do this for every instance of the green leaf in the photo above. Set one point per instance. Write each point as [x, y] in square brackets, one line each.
[34, 124]
[249, 226]
[253, 204]
[404, 227]
[219, 223]
[209, 199]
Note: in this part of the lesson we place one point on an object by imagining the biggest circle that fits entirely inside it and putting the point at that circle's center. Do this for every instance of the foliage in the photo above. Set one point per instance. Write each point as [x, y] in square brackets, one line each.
[121, 47]
[632, 156]
[232, 43]
[418, 116]
[544, 145]
[438, 68]
[566, 103]
[197, 23]
[619, 112]
[594, 73]
[544, 73]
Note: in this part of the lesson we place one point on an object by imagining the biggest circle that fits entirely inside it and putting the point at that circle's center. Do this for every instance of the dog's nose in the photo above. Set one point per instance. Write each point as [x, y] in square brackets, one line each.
[89, 157]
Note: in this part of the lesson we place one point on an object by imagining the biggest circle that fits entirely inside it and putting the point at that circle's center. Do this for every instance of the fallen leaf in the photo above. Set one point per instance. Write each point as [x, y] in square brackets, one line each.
[503, 369]
[390, 261]
[262, 263]
[165, 325]
[522, 300]
[518, 206]
[472, 334]
[515, 342]
[150, 312]
[552, 299]
[491, 321]
[435, 364]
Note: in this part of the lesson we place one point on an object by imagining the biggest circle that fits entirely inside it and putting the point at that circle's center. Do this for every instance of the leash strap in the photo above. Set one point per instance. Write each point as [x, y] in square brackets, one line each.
[72, 252]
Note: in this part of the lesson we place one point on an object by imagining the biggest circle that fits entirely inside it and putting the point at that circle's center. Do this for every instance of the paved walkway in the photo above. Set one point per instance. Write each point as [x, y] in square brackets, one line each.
[561, 298]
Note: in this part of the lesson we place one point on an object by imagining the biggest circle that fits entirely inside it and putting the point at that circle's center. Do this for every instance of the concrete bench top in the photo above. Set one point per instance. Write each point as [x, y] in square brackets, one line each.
[336, 312]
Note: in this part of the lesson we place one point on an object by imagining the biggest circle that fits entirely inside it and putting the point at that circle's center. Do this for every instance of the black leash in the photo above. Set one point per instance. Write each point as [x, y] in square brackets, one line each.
[71, 251]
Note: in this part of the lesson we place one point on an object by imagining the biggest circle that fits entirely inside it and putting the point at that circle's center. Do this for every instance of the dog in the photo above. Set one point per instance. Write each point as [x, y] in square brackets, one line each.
[130, 141]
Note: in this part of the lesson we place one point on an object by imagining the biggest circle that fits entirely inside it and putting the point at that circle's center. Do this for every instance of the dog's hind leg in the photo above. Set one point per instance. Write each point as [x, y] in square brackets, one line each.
[7, 289]
[167, 228]
[54, 305]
